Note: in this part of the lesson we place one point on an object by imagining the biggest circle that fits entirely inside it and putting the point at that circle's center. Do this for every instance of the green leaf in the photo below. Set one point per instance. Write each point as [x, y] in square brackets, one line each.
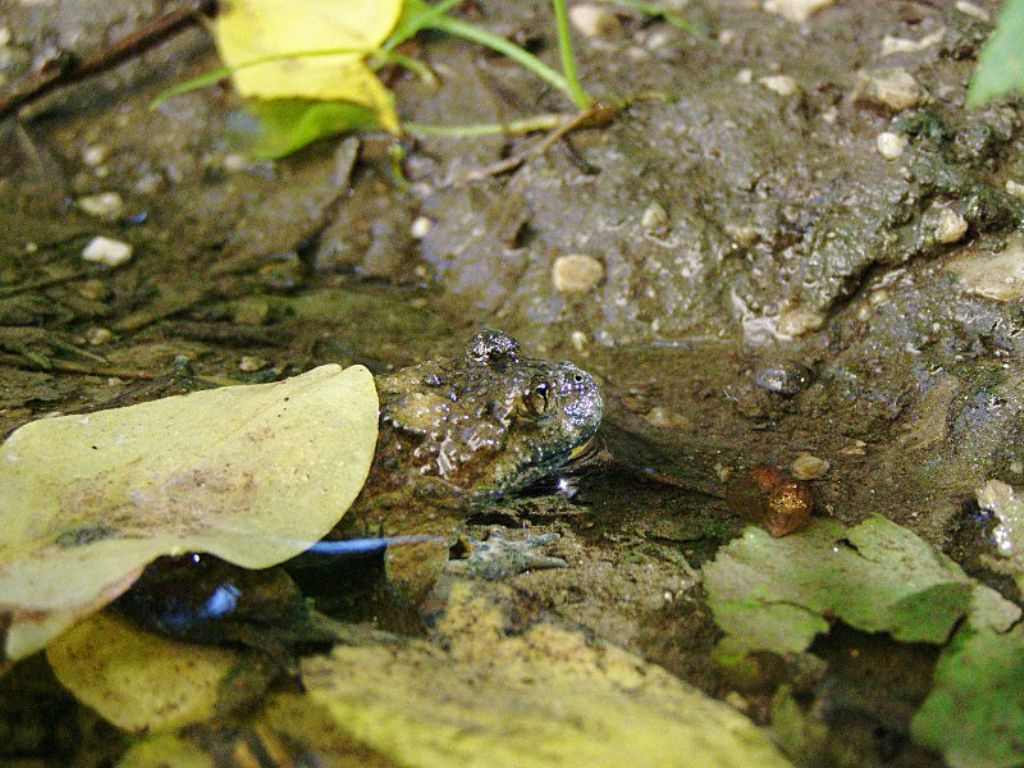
[285, 126]
[1001, 64]
[777, 594]
[974, 715]
[416, 15]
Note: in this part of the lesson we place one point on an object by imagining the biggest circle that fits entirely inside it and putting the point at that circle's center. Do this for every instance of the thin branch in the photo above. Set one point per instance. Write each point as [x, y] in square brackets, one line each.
[70, 69]
[593, 116]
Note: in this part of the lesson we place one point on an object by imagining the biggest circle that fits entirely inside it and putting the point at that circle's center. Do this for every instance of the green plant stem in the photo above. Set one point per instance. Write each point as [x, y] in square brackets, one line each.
[579, 97]
[525, 59]
[514, 127]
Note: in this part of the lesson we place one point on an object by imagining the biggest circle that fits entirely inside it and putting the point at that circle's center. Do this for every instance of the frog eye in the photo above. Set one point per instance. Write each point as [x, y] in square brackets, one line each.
[536, 399]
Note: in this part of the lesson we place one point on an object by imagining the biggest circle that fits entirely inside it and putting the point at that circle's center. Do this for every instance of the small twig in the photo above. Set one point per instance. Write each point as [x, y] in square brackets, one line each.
[596, 115]
[64, 366]
[70, 69]
[160, 309]
[43, 282]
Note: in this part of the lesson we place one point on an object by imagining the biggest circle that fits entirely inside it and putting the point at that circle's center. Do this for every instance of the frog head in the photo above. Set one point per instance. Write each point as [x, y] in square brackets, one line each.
[491, 421]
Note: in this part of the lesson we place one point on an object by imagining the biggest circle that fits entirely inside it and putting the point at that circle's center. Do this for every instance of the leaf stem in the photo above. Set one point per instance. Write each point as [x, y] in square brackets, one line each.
[513, 127]
[579, 97]
[525, 59]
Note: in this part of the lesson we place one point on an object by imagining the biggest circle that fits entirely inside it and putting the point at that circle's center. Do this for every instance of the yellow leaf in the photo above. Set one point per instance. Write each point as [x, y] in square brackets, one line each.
[487, 698]
[248, 30]
[251, 474]
[138, 680]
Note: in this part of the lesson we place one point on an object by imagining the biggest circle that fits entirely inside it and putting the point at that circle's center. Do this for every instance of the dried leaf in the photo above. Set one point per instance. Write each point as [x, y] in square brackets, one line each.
[251, 474]
[545, 697]
[138, 680]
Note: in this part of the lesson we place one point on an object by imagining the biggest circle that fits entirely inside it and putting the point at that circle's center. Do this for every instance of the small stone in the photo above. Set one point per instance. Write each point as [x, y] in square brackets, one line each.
[105, 250]
[594, 21]
[148, 183]
[576, 273]
[998, 276]
[421, 227]
[665, 418]
[234, 162]
[857, 449]
[970, 9]
[745, 76]
[745, 235]
[784, 85]
[727, 37]
[951, 227]
[808, 467]
[251, 364]
[797, 11]
[94, 289]
[97, 336]
[654, 217]
[891, 145]
[798, 321]
[5, 36]
[579, 340]
[736, 701]
[1014, 188]
[787, 378]
[891, 45]
[95, 155]
[895, 89]
[104, 205]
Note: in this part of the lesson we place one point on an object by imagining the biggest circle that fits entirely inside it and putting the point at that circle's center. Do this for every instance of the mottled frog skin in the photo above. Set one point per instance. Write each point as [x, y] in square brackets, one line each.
[476, 427]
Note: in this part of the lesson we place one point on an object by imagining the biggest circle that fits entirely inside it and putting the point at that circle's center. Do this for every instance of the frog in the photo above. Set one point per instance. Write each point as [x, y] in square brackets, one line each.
[458, 433]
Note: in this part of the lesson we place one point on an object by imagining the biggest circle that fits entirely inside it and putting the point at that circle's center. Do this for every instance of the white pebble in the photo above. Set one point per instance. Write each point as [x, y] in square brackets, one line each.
[796, 10]
[893, 88]
[654, 217]
[808, 467]
[95, 155]
[971, 9]
[104, 250]
[1015, 188]
[784, 85]
[891, 145]
[148, 183]
[421, 227]
[951, 227]
[98, 336]
[5, 36]
[579, 340]
[576, 273]
[234, 162]
[104, 205]
[891, 45]
[251, 363]
[798, 321]
[745, 77]
[594, 21]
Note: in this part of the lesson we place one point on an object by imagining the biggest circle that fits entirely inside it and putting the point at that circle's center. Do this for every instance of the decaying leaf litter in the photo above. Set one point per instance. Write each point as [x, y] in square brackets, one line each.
[774, 234]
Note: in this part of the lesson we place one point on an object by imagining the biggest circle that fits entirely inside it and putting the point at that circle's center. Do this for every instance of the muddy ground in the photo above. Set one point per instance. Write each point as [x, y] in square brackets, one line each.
[771, 284]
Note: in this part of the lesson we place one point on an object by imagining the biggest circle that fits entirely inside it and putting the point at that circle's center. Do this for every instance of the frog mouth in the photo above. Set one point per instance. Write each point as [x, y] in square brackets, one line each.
[585, 454]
